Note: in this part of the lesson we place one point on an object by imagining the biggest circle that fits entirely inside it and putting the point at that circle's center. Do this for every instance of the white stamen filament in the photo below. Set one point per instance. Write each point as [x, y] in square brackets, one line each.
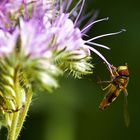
[81, 9]
[102, 57]
[99, 45]
[68, 4]
[85, 35]
[75, 7]
[92, 23]
[104, 35]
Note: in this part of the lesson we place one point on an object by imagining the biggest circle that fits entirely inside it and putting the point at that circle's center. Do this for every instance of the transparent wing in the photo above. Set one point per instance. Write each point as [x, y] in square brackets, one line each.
[126, 114]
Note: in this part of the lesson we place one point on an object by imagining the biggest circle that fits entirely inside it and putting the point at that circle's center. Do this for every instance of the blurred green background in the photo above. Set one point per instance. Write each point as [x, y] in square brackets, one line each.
[71, 112]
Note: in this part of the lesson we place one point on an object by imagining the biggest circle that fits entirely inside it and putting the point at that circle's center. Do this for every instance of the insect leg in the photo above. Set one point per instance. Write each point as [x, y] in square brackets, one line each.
[104, 82]
[106, 87]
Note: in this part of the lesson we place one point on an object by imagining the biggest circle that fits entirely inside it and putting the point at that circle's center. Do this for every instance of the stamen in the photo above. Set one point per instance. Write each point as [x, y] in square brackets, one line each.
[99, 45]
[85, 35]
[88, 26]
[68, 4]
[93, 18]
[75, 7]
[83, 18]
[104, 35]
[102, 57]
[81, 9]
[62, 6]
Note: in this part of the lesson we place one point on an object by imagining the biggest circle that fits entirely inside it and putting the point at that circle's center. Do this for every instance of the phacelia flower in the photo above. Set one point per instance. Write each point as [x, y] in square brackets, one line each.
[39, 41]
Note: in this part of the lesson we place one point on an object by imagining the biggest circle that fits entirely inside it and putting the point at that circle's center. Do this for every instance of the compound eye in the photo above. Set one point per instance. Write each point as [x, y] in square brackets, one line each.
[124, 72]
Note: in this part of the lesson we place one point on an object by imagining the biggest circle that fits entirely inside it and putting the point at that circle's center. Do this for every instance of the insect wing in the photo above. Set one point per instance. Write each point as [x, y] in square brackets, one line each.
[126, 114]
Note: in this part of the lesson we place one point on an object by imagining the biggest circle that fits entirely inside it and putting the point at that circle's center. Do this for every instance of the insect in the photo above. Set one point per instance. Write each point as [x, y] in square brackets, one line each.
[116, 85]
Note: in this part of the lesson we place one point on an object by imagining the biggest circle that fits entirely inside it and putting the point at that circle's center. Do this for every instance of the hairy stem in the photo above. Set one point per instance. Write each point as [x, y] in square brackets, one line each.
[15, 118]
[12, 131]
[23, 113]
[22, 103]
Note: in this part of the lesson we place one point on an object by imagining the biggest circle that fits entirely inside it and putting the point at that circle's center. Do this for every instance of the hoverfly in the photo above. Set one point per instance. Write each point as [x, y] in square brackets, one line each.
[118, 83]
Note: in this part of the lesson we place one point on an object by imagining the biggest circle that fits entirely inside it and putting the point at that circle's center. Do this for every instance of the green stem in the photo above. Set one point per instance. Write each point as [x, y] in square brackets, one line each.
[18, 117]
[15, 118]
[23, 113]
[12, 131]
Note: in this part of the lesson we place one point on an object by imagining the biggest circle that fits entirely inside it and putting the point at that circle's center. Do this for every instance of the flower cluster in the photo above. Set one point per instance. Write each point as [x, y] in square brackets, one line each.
[39, 41]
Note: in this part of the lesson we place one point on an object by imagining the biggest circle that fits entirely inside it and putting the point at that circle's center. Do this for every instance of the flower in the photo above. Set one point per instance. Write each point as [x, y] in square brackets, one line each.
[48, 35]
[74, 36]
[39, 41]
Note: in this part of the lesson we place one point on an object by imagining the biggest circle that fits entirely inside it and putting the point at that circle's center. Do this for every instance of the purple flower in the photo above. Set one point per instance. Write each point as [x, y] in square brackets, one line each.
[71, 37]
[7, 42]
[48, 31]
[35, 43]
